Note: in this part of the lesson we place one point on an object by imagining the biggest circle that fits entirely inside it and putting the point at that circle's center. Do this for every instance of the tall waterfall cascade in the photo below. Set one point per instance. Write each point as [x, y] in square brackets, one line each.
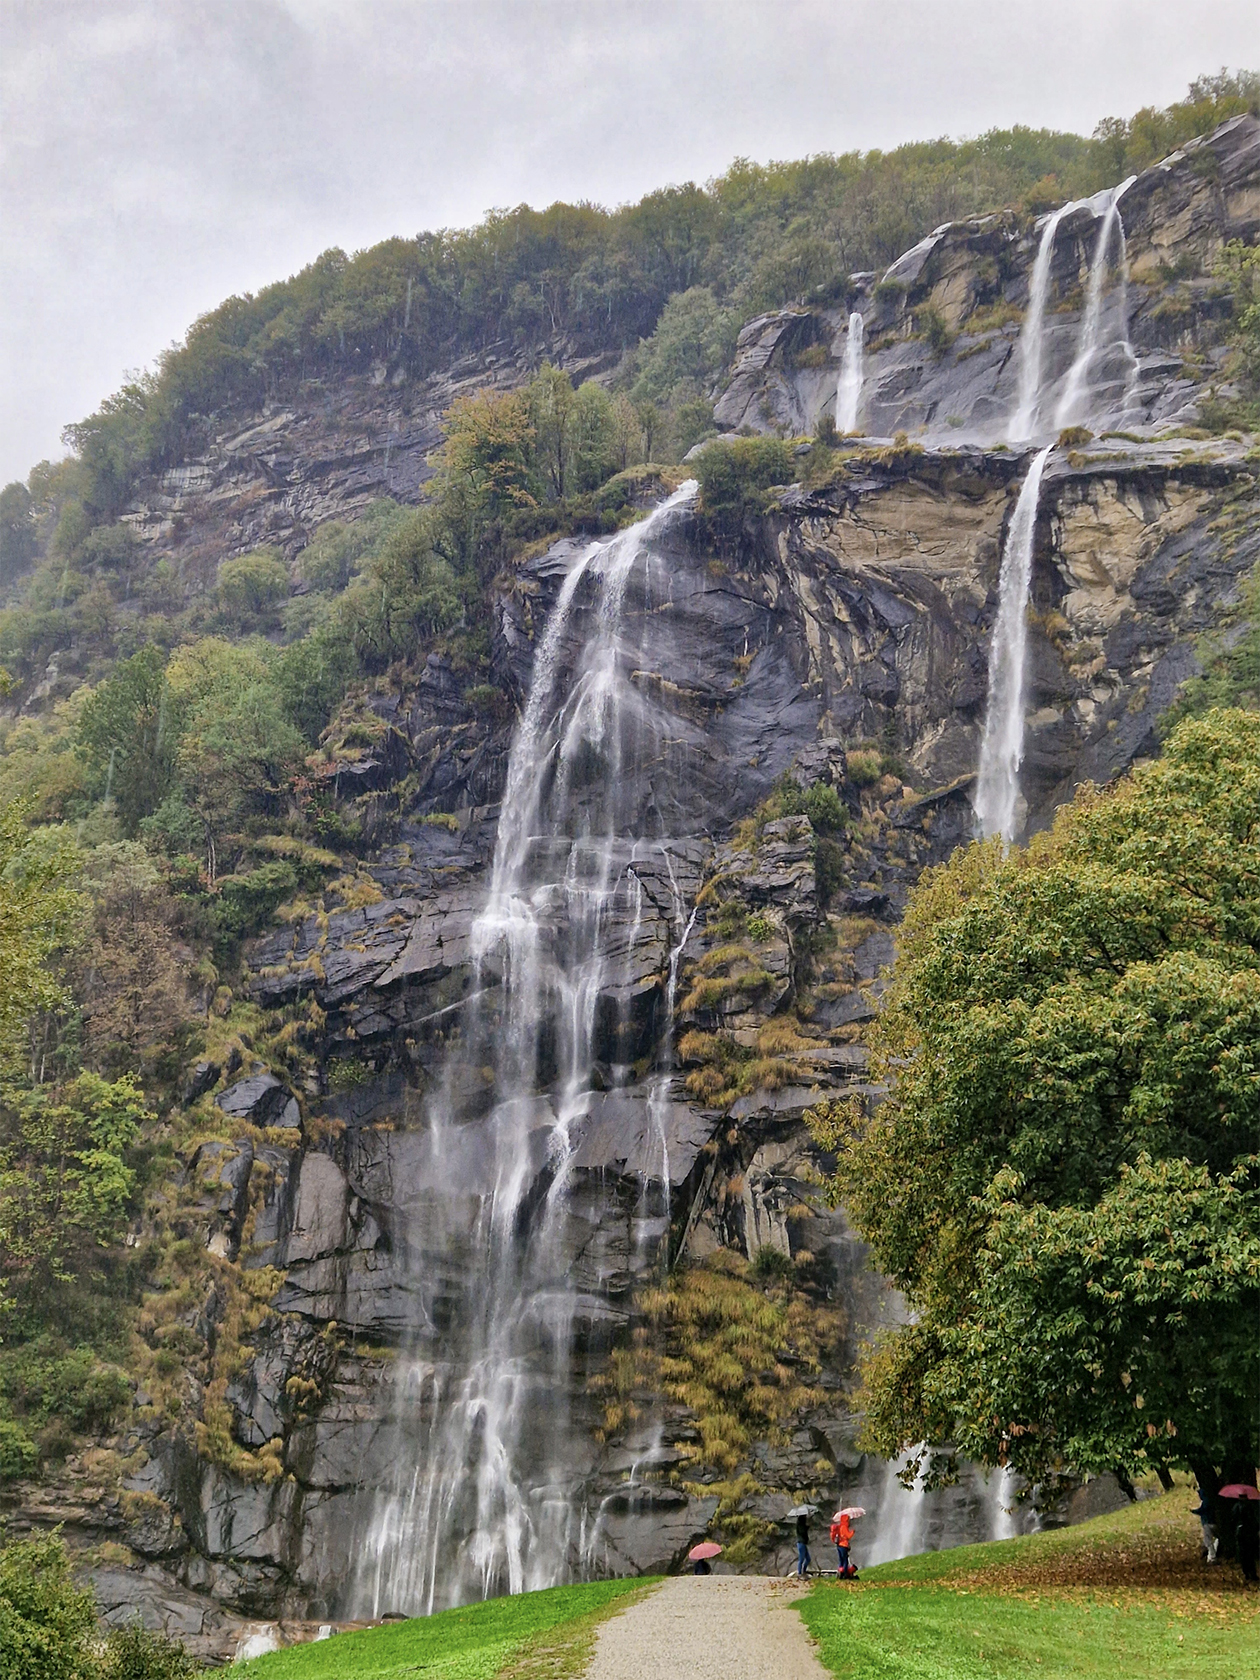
[1002, 744]
[487, 1498]
[849, 388]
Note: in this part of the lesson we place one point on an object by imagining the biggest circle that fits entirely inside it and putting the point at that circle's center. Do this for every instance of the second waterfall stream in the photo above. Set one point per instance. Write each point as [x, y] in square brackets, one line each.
[486, 1497]
[1002, 744]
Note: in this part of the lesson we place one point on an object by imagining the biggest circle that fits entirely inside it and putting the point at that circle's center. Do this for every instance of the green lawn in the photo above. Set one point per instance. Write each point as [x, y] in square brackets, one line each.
[931, 1633]
[1122, 1596]
[477, 1642]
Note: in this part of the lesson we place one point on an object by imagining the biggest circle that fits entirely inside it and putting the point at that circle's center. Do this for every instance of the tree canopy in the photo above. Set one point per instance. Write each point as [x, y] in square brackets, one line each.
[1065, 1177]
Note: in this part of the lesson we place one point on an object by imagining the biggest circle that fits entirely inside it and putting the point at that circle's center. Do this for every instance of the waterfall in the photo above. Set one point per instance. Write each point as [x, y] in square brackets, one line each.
[1001, 1488]
[1075, 404]
[897, 1523]
[1002, 746]
[488, 1494]
[1031, 346]
[849, 389]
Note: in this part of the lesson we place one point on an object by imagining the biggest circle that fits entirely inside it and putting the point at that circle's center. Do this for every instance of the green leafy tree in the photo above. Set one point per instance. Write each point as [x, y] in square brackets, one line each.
[312, 675]
[137, 1653]
[238, 748]
[128, 732]
[40, 915]
[694, 339]
[48, 1627]
[1239, 264]
[47, 1624]
[110, 546]
[336, 550]
[1065, 1179]
[65, 1182]
[800, 261]
[250, 586]
[551, 402]
[17, 531]
[593, 432]
[486, 468]
[409, 592]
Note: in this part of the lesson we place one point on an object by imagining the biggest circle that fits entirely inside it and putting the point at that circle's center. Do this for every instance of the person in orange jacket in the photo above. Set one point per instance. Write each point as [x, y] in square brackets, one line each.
[842, 1539]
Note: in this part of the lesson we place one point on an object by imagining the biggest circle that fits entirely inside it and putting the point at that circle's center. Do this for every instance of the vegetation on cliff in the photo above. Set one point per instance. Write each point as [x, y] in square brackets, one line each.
[741, 1348]
[49, 1631]
[1064, 1180]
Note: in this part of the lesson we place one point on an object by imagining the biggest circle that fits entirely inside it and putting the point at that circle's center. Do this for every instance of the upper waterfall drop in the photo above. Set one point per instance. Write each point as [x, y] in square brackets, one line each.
[849, 388]
[1023, 422]
[1002, 746]
[1075, 405]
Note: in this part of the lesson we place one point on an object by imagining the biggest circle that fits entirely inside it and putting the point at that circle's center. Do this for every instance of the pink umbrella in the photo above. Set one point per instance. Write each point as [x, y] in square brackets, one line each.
[853, 1512]
[1238, 1490]
[706, 1549]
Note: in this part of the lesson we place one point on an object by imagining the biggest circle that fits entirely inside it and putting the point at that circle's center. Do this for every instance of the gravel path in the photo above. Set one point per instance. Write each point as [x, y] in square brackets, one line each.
[714, 1627]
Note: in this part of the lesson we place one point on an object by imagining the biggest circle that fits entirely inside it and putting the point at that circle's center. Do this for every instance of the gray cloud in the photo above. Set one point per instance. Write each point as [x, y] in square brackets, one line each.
[161, 154]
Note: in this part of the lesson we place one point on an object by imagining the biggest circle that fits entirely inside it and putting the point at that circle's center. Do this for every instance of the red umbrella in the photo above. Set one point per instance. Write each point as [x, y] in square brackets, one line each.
[706, 1549]
[1238, 1490]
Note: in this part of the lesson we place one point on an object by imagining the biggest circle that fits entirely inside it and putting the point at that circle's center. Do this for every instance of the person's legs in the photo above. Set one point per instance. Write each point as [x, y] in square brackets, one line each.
[802, 1557]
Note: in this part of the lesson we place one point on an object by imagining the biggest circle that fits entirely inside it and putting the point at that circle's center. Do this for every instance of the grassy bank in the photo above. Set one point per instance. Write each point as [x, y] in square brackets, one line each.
[1122, 1596]
[533, 1636]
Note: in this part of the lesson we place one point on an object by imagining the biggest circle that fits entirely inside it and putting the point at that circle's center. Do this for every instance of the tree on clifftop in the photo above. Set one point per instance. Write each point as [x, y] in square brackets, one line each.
[1065, 1179]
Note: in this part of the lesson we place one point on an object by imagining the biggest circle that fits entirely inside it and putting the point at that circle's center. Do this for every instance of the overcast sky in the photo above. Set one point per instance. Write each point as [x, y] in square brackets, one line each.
[159, 155]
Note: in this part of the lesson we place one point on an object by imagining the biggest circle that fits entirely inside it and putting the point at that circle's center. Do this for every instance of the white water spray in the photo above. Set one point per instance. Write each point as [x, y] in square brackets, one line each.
[1075, 404]
[488, 1497]
[849, 389]
[1002, 747]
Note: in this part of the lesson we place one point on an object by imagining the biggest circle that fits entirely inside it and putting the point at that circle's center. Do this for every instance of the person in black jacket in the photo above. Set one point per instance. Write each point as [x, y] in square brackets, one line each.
[803, 1559]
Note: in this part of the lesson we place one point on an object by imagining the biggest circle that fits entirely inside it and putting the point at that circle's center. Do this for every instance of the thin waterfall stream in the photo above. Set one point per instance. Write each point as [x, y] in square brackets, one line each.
[486, 1498]
[1029, 395]
[1002, 744]
[849, 388]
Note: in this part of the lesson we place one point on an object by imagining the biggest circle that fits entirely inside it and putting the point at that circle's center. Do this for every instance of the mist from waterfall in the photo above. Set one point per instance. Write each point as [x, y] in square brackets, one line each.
[849, 388]
[1002, 745]
[487, 1497]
